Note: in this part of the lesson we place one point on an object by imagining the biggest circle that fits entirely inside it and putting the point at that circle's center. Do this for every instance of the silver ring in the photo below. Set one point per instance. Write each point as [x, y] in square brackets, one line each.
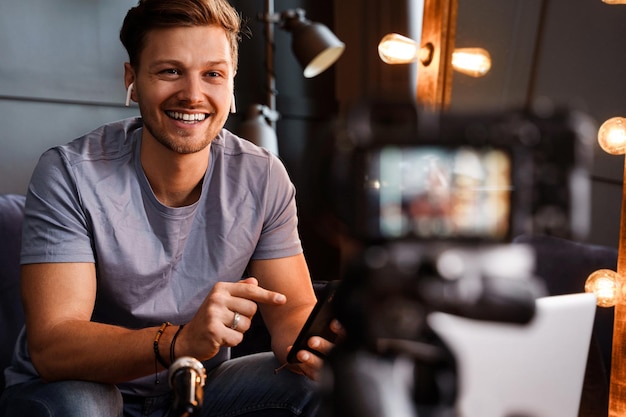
[235, 322]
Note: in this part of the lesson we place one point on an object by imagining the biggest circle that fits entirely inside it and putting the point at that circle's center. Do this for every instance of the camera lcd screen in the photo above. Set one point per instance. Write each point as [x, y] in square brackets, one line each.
[440, 192]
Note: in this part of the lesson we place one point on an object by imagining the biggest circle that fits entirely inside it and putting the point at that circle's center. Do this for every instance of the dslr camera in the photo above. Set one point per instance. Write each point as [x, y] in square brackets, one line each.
[434, 202]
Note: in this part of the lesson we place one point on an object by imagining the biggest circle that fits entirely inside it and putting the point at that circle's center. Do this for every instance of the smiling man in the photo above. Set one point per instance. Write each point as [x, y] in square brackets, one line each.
[159, 237]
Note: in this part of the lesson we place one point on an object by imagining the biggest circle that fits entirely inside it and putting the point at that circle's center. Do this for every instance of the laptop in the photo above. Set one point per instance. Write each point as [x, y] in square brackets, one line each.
[534, 370]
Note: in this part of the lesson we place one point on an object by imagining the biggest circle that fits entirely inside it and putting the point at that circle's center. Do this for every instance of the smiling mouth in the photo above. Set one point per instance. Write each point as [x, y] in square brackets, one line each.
[187, 117]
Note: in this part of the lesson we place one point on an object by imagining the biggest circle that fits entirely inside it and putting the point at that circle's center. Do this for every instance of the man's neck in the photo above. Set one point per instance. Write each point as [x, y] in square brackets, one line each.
[176, 179]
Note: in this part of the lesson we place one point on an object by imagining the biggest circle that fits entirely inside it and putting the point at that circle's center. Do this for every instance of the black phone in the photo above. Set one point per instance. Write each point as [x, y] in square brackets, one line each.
[318, 323]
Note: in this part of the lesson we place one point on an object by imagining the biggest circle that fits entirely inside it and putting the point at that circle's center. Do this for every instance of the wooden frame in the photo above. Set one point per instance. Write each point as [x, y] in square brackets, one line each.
[617, 389]
[434, 74]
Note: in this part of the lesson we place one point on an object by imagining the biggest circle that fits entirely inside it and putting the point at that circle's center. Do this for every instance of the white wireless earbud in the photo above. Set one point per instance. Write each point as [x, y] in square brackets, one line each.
[233, 106]
[129, 91]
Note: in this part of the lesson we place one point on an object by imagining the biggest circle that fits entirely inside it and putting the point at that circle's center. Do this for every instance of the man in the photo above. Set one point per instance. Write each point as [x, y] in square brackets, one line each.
[137, 236]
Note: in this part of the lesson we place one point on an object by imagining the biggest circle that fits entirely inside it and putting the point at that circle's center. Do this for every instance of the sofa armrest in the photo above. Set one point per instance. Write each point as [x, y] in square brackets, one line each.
[11, 311]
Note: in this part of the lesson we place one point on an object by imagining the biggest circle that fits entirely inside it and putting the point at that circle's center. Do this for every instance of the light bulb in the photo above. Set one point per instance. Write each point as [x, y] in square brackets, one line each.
[612, 136]
[474, 62]
[394, 48]
[604, 283]
[397, 49]
[614, 1]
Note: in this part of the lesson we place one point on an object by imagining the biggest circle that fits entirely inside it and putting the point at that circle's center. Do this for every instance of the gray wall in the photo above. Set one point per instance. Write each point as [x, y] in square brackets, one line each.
[562, 52]
[60, 76]
[582, 62]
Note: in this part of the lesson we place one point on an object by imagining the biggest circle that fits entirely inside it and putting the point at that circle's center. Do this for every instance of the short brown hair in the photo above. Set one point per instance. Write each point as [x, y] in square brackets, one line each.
[155, 14]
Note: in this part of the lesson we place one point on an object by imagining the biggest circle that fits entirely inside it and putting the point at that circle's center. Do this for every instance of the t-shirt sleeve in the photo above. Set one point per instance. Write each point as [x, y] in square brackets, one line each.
[55, 226]
[279, 236]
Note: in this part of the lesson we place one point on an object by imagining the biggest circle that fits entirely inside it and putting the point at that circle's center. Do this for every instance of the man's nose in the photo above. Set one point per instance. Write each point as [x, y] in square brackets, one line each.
[192, 90]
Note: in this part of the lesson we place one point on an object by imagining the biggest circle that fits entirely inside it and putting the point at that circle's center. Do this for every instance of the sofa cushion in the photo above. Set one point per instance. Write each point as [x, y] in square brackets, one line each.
[11, 312]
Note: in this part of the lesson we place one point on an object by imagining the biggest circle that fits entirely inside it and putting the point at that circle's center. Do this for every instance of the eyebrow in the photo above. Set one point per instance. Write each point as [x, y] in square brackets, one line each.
[175, 62]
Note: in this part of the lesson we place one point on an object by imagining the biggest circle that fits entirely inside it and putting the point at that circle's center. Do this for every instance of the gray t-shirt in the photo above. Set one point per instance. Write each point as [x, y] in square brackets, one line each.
[89, 201]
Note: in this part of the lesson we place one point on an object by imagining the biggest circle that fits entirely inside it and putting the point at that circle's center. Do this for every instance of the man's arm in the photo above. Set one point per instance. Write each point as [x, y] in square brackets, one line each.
[64, 344]
[289, 276]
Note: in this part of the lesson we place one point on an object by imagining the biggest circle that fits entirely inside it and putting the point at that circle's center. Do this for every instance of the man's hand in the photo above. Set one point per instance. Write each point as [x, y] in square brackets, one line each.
[224, 317]
[309, 363]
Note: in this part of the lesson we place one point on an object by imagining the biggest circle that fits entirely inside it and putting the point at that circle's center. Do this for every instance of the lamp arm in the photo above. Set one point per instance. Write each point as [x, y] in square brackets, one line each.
[269, 18]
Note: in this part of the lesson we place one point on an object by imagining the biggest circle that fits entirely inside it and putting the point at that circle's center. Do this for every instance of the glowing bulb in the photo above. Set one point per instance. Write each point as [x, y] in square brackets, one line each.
[612, 136]
[614, 1]
[604, 283]
[474, 62]
[397, 49]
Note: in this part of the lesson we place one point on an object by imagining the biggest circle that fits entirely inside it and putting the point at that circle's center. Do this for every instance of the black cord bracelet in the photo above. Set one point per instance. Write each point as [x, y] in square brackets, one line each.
[173, 344]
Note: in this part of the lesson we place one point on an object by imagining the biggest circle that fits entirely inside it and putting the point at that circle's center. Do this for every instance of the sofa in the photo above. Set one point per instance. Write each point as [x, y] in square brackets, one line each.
[11, 312]
[563, 264]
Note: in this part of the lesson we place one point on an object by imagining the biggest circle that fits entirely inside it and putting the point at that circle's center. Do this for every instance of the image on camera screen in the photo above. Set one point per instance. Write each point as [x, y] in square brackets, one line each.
[439, 192]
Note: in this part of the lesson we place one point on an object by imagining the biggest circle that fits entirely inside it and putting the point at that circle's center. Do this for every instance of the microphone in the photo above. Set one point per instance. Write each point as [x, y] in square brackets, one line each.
[187, 377]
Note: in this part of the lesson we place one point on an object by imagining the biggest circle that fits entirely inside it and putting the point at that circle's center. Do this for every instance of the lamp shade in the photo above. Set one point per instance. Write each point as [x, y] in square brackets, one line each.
[315, 46]
[256, 129]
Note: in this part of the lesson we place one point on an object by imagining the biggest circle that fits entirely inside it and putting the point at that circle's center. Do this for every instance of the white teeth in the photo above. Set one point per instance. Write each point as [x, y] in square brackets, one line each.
[195, 117]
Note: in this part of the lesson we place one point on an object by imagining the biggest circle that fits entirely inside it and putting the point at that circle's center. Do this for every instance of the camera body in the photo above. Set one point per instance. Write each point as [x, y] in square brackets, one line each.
[433, 203]
[398, 174]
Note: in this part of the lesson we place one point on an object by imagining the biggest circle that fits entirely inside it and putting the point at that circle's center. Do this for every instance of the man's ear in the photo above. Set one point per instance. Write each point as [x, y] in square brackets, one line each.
[129, 81]
[129, 73]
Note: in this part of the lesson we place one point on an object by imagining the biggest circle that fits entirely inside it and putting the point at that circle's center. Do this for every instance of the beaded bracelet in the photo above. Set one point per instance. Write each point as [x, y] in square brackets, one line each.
[173, 344]
[157, 355]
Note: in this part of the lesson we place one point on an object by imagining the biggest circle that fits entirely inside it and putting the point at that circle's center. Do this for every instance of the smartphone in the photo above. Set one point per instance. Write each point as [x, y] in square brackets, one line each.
[318, 323]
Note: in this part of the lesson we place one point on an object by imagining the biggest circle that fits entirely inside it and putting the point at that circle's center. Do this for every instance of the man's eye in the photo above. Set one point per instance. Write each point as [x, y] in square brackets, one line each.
[213, 74]
[171, 71]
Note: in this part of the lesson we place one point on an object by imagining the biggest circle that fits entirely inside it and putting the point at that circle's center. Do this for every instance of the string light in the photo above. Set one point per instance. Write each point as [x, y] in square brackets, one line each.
[474, 62]
[394, 49]
[612, 136]
[604, 283]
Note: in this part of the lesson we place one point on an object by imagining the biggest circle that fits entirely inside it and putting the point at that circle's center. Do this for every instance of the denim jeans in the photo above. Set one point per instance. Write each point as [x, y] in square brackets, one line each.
[245, 386]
